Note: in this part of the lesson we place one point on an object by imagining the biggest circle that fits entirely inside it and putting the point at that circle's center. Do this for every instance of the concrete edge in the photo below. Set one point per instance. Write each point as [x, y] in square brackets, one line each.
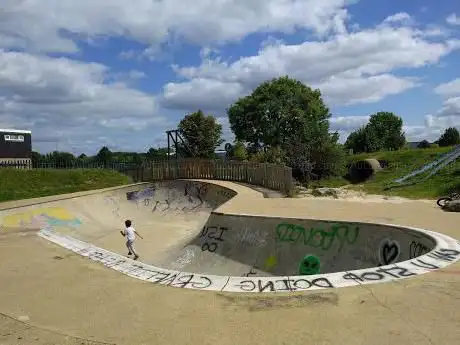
[445, 253]
[8, 205]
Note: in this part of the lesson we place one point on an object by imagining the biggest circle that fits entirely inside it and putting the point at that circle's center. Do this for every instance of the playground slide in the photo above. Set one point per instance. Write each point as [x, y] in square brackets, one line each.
[436, 165]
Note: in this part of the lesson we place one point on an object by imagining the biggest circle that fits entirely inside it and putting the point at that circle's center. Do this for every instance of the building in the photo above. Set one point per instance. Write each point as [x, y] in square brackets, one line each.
[15, 147]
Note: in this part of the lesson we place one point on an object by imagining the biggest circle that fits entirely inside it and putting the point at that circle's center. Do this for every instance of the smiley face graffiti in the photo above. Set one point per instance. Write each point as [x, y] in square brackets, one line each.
[309, 265]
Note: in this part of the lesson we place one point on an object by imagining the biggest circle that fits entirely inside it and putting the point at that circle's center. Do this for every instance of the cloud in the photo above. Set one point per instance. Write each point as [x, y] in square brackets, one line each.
[400, 17]
[71, 98]
[350, 68]
[452, 19]
[450, 110]
[56, 26]
[451, 88]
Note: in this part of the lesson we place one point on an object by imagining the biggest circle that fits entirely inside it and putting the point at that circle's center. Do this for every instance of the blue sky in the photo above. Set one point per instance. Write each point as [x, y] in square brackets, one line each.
[86, 74]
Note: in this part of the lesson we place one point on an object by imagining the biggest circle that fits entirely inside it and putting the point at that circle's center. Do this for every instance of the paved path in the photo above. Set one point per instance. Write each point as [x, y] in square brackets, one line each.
[64, 298]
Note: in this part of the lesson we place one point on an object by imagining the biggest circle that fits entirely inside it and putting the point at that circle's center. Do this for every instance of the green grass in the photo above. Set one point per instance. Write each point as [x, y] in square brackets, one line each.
[401, 163]
[16, 184]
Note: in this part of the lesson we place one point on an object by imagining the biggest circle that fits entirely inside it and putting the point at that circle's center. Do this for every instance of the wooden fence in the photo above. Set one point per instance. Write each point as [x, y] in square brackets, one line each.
[271, 176]
[276, 177]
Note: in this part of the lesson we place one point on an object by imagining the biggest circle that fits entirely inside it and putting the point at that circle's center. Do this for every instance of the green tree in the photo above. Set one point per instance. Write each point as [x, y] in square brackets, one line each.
[104, 156]
[382, 132]
[387, 129]
[449, 137]
[157, 154]
[362, 140]
[60, 159]
[280, 114]
[238, 152]
[201, 133]
[276, 111]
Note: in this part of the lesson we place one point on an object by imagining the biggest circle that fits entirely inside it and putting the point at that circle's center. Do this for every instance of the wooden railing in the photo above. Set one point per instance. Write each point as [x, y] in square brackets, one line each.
[276, 177]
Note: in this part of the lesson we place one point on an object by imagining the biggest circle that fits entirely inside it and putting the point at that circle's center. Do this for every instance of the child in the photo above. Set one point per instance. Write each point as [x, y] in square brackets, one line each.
[130, 234]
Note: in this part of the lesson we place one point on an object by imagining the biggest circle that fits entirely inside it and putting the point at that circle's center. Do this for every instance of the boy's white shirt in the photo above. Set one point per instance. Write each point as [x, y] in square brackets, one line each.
[130, 233]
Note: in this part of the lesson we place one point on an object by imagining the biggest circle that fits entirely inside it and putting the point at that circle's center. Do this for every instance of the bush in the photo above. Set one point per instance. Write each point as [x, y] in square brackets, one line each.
[424, 144]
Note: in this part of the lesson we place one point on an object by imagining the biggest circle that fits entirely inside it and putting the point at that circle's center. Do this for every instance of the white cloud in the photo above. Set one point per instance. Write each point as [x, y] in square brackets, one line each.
[453, 19]
[87, 105]
[348, 68]
[451, 88]
[70, 98]
[450, 110]
[51, 26]
[400, 17]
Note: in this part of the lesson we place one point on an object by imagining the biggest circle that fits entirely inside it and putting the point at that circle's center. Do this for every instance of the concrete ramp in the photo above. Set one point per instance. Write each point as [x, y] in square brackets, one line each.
[260, 246]
[188, 243]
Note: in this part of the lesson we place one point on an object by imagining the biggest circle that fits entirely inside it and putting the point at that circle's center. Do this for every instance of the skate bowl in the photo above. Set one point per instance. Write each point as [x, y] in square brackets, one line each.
[189, 243]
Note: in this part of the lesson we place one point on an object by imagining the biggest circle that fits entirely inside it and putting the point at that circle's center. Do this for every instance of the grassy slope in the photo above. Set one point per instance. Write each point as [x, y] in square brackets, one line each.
[401, 163]
[18, 184]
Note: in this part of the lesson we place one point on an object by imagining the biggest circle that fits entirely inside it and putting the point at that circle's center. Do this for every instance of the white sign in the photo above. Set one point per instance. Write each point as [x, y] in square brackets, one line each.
[15, 138]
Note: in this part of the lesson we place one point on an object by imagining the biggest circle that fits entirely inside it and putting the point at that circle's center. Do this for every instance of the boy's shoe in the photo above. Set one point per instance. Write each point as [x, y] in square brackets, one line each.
[130, 253]
[136, 257]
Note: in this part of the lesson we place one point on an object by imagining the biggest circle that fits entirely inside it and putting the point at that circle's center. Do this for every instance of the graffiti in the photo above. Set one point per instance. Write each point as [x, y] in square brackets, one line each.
[253, 238]
[432, 261]
[250, 273]
[197, 190]
[381, 273]
[42, 217]
[417, 249]
[389, 252]
[318, 238]
[158, 204]
[309, 265]
[212, 233]
[270, 262]
[141, 194]
[174, 202]
[279, 285]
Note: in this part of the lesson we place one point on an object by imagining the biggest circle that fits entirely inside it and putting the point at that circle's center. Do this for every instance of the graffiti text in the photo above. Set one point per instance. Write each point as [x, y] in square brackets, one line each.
[340, 234]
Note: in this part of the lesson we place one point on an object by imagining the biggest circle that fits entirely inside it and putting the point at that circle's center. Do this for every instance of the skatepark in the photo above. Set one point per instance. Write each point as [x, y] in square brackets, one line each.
[224, 264]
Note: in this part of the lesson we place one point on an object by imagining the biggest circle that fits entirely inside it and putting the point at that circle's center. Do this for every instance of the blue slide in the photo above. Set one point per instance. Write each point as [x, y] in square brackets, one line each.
[436, 165]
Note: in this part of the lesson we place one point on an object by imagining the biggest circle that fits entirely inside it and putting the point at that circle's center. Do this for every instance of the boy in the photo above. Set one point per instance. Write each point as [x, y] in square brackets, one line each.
[130, 234]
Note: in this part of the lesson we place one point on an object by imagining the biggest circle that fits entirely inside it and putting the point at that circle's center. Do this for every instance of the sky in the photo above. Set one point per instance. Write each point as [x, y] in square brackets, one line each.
[85, 74]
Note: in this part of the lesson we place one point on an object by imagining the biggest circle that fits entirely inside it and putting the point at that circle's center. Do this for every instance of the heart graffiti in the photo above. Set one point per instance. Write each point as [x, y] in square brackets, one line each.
[389, 252]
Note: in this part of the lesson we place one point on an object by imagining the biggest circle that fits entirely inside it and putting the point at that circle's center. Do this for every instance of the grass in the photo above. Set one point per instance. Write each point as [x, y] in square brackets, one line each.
[401, 163]
[16, 184]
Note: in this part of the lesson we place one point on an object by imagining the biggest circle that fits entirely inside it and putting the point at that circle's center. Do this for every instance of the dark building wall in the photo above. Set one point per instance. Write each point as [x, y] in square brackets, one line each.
[15, 149]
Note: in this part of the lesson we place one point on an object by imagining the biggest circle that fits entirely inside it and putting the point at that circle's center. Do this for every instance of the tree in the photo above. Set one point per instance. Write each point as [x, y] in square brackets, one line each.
[276, 111]
[201, 133]
[237, 152]
[449, 137]
[362, 140]
[157, 154]
[382, 132]
[281, 113]
[387, 129]
[104, 155]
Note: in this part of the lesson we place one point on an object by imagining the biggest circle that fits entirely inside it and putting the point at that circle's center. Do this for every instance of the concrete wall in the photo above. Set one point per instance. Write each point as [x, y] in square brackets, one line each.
[265, 246]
